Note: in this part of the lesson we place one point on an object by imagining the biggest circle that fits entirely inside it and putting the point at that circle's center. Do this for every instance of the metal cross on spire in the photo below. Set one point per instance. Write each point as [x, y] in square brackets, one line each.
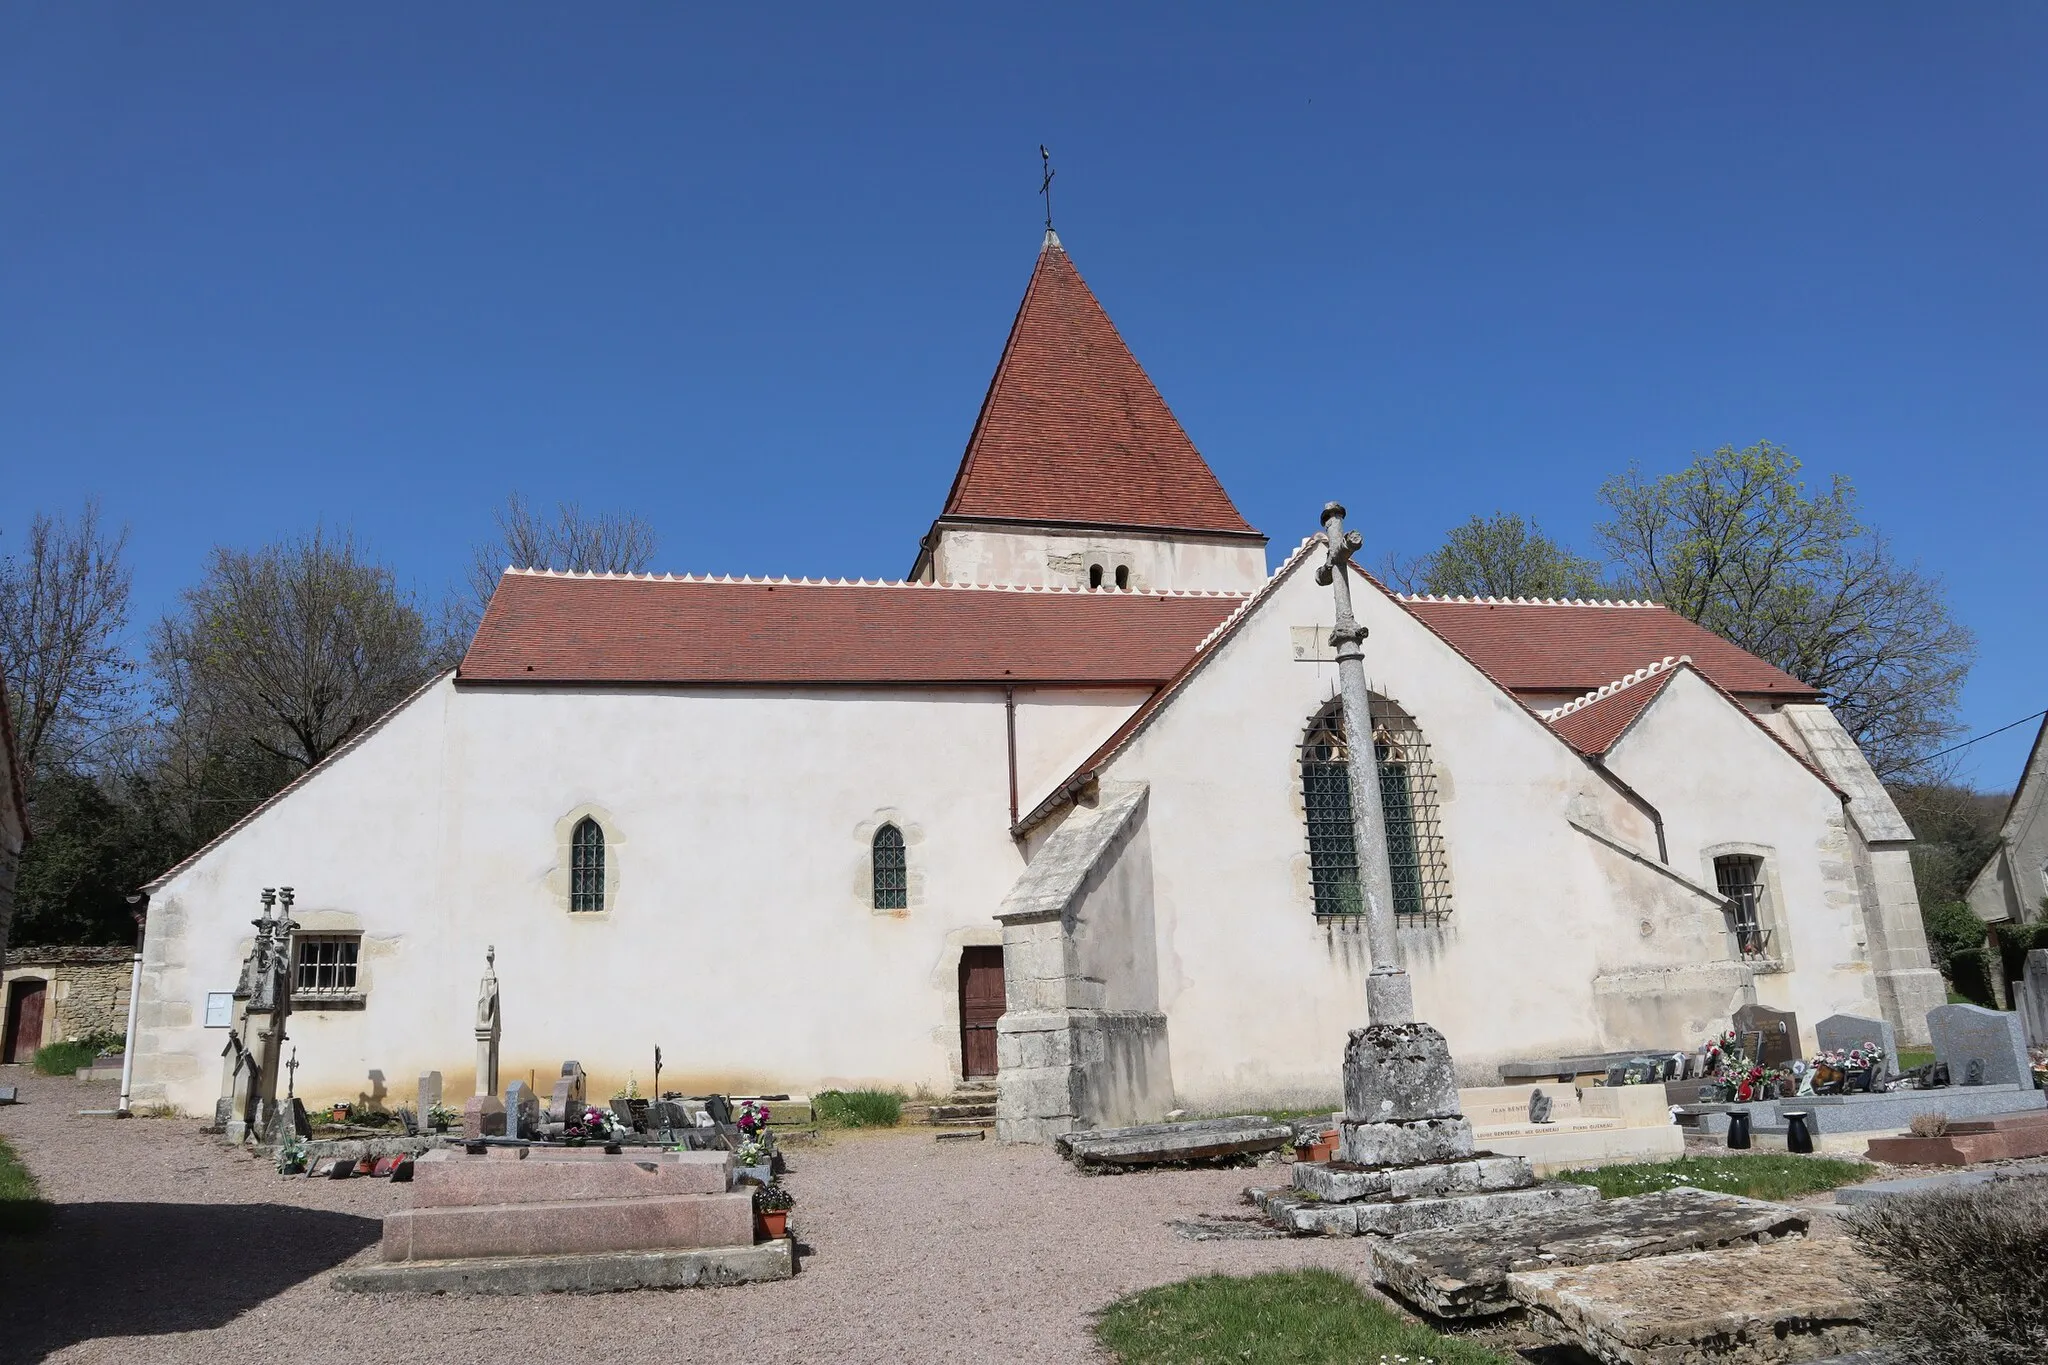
[1045, 182]
[1388, 996]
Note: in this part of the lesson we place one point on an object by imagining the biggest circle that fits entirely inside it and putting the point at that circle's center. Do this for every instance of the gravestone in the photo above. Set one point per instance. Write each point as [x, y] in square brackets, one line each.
[1779, 1042]
[430, 1093]
[1967, 1033]
[483, 1116]
[522, 1111]
[1841, 1032]
[2033, 994]
[570, 1091]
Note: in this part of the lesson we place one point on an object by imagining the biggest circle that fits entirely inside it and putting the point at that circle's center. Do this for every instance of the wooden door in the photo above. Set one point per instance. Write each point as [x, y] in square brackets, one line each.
[25, 1019]
[981, 1004]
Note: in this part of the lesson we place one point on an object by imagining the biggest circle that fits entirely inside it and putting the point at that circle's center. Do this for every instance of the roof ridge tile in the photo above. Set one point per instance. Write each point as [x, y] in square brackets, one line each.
[1625, 681]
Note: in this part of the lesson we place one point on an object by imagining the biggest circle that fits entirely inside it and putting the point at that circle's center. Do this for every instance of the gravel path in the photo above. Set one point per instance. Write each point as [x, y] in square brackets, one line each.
[168, 1246]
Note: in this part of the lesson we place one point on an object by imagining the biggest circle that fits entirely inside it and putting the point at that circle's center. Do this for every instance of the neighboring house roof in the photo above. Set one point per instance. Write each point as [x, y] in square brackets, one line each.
[1595, 721]
[643, 630]
[1538, 645]
[1073, 431]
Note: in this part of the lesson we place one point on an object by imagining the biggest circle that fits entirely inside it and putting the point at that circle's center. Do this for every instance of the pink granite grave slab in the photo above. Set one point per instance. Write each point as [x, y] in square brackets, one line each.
[577, 1227]
[462, 1181]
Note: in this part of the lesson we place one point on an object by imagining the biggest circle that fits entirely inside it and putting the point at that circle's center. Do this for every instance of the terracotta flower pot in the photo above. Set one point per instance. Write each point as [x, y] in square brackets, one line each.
[774, 1223]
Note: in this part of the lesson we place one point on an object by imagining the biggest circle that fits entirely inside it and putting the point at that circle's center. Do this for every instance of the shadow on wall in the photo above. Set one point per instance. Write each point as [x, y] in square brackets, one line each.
[122, 1270]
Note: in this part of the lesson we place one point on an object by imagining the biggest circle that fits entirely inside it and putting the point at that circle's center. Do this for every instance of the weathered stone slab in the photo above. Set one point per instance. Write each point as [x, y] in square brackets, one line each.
[599, 1274]
[1336, 1180]
[1458, 1273]
[1397, 1073]
[1789, 1301]
[1363, 1218]
[570, 1227]
[1969, 1033]
[1152, 1143]
[1403, 1144]
[1841, 1032]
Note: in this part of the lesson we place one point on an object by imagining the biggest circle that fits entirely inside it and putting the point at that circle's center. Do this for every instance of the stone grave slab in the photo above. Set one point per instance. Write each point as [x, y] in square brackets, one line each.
[577, 1274]
[1339, 1180]
[1841, 1032]
[2002, 1137]
[1462, 1272]
[430, 1093]
[1779, 1029]
[1298, 1213]
[1154, 1143]
[1966, 1033]
[1795, 1300]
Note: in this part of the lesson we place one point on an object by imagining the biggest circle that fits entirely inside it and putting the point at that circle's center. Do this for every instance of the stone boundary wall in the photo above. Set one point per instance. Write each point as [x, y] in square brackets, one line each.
[88, 987]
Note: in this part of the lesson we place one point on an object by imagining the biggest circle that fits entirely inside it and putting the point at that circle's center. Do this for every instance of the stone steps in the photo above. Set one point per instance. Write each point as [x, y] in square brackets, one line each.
[950, 1113]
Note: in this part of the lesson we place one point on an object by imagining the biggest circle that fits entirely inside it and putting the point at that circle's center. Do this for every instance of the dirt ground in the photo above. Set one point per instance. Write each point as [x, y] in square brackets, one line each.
[168, 1246]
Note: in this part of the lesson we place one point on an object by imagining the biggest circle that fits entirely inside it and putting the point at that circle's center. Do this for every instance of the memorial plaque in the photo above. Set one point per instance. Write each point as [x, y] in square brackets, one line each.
[1778, 1033]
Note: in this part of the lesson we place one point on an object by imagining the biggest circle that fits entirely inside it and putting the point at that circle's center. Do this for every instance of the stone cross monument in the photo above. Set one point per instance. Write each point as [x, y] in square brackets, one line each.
[1388, 997]
[273, 1003]
[489, 1028]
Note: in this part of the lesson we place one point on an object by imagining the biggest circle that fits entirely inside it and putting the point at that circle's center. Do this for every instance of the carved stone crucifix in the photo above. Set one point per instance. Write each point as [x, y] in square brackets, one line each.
[1388, 996]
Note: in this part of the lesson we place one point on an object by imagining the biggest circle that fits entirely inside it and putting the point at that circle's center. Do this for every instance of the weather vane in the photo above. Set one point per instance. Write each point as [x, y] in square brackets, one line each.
[1045, 184]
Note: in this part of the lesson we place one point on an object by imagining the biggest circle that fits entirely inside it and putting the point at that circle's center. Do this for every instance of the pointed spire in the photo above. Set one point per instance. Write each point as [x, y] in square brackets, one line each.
[1072, 430]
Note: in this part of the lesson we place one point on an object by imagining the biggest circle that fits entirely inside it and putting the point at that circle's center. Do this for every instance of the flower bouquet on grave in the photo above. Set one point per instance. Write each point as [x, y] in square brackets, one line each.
[291, 1155]
[1841, 1071]
[754, 1161]
[751, 1117]
[440, 1117]
[772, 1204]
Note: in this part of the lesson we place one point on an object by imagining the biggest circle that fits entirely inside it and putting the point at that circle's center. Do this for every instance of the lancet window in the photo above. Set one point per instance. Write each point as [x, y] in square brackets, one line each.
[892, 870]
[586, 866]
[1414, 836]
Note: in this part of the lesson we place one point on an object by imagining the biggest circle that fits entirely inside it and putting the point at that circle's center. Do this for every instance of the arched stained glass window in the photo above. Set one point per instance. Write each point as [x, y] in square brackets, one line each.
[892, 870]
[1415, 851]
[586, 866]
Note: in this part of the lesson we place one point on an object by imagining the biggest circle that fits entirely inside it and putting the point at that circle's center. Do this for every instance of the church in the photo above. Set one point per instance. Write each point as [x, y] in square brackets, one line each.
[1067, 808]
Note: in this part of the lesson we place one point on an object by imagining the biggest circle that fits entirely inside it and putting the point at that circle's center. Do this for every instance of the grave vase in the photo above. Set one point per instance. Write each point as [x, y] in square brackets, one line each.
[1797, 1137]
[1738, 1129]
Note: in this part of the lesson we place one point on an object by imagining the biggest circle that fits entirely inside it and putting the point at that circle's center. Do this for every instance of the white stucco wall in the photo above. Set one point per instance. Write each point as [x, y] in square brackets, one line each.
[1258, 995]
[1725, 787]
[1044, 558]
[739, 937]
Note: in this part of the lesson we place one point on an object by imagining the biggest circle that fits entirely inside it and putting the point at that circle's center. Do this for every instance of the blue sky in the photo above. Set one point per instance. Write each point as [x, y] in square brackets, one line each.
[748, 273]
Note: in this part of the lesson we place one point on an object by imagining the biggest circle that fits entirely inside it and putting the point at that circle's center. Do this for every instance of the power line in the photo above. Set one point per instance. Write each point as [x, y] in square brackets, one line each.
[1986, 735]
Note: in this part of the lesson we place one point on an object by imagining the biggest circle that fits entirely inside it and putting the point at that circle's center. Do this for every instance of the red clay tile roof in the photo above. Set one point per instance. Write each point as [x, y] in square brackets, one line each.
[1072, 430]
[581, 628]
[1592, 726]
[1532, 646]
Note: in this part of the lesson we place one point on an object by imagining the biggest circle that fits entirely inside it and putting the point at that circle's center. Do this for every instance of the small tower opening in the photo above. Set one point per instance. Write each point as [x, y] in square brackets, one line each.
[1094, 575]
[1123, 575]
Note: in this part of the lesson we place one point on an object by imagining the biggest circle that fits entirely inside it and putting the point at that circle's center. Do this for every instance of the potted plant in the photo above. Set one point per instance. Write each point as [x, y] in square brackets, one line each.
[440, 1116]
[338, 1112]
[291, 1155]
[771, 1210]
[754, 1162]
[1315, 1144]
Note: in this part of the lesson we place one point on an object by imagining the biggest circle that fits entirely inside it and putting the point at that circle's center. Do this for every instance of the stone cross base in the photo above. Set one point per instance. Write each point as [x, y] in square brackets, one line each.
[483, 1116]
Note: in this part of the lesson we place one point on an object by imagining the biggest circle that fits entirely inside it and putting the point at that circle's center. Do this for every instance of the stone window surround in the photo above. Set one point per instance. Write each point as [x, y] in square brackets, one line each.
[1771, 916]
[863, 881]
[330, 924]
[614, 848]
[1442, 796]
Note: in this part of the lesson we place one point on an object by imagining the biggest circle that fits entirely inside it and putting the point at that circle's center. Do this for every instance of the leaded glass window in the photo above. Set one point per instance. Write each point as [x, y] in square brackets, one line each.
[586, 866]
[892, 870]
[1415, 850]
[324, 964]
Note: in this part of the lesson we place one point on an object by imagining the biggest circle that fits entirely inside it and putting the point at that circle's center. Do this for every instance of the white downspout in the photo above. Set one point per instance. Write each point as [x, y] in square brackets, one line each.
[134, 996]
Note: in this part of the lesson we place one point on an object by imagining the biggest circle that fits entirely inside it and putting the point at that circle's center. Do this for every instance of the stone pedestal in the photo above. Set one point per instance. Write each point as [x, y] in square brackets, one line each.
[483, 1116]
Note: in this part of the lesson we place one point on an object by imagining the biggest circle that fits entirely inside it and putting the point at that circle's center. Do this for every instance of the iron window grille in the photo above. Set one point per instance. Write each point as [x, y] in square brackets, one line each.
[586, 866]
[1740, 878]
[325, 964]
[892, 870]
[1416, 857]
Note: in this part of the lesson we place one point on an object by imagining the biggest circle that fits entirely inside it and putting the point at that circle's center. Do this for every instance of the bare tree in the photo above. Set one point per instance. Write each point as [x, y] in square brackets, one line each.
[573, 541]
[289, 651]
[63, 610]
[1734, 542]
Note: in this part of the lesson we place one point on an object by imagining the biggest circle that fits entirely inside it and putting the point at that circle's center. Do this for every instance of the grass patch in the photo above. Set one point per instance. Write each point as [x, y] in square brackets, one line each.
[61, 1059]
[857, 1108]
[1293, 1317]
[22, 1206]
[1767, 1176]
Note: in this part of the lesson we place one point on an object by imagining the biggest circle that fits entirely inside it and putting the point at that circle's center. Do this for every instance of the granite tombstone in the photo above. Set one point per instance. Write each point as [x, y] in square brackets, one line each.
[1967, 1033]
[1779, 1030]
[1842, 1032]
[522, 1111]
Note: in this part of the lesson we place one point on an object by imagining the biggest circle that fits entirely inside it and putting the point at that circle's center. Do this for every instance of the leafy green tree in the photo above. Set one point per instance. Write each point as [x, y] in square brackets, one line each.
[1504, 555]
[1735, 542]
[94, 844]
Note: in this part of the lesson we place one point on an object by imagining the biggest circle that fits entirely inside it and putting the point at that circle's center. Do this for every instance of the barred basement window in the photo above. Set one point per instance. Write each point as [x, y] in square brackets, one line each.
[325, 964]
[892, 870]
[1415, 848]
[586, 866]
